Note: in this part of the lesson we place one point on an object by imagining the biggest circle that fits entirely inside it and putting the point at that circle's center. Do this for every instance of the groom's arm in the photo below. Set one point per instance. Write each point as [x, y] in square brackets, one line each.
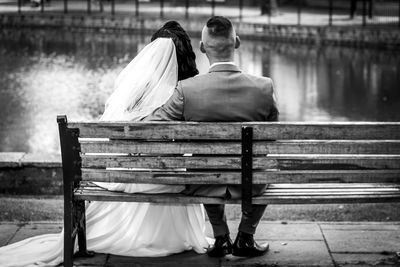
[172, 110]
[273, 114]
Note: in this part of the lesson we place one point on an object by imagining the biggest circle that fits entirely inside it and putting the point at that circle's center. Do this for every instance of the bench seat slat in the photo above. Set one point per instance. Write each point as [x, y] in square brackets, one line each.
[306, 162]
[306, 193]
[309, 192]
[334, 191]
[231, 131]
[304, 186]
[333, 185]
[308, 188]
[104, 195]
[329, 199]
[261, 147]
[309, 195]
[259, 177]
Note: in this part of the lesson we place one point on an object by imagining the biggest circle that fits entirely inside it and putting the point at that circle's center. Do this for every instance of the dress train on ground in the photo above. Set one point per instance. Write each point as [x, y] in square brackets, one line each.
[121, 228]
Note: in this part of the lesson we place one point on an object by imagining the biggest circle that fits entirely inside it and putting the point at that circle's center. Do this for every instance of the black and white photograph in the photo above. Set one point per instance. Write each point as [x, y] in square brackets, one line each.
[199, 133]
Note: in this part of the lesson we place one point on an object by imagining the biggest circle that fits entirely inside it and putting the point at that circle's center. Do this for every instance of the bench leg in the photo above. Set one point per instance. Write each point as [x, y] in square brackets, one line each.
[81, 225]
[69, 239]
[68, 247]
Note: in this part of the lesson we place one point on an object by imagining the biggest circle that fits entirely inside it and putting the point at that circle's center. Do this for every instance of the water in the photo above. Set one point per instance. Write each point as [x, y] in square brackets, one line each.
[47, 72]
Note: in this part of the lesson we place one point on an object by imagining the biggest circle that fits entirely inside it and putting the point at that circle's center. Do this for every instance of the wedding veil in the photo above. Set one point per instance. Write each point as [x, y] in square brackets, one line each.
[145, 84]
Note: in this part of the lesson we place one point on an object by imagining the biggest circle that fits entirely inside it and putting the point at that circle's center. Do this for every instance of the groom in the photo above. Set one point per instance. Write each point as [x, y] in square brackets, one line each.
[223, 94]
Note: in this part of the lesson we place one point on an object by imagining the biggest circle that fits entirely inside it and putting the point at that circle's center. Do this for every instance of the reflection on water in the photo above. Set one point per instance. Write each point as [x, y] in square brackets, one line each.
[45, 73]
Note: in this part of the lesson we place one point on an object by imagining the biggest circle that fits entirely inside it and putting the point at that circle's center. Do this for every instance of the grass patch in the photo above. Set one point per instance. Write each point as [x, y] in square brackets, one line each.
[46, 208]
[327, 212]
[31, 208]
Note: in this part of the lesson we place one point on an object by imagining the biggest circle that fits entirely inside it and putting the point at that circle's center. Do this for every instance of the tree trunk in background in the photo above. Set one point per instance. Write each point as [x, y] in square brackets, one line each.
[269, 7]
[274, 6]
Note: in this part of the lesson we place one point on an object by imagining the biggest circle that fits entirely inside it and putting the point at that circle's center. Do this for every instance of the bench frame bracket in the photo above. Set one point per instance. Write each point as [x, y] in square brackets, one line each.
[247, 169]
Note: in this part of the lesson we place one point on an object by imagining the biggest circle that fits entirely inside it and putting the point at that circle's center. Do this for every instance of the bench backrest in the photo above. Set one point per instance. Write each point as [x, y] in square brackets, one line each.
[275, 152]
[287, 152]
[233, 153]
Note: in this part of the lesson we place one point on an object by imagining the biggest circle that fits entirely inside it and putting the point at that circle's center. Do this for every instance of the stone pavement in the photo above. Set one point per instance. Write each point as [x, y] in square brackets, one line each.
[292, 243]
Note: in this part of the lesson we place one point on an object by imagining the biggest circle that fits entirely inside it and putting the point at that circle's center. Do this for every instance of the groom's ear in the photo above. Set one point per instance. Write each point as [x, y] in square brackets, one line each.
[237, 42]
[202, 49]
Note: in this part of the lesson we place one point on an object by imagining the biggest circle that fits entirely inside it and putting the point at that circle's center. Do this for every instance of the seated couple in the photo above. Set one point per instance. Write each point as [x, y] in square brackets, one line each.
[161, 83]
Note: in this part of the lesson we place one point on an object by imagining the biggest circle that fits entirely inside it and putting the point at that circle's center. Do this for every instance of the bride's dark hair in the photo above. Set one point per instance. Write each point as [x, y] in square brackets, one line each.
[184, 51]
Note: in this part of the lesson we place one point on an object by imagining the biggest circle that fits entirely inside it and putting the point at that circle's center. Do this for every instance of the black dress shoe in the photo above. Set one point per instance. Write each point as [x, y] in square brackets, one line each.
[222, 246]
[245, 246]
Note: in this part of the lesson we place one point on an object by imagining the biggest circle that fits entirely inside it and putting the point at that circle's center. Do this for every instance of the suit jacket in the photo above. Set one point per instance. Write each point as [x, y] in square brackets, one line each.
[224, 94]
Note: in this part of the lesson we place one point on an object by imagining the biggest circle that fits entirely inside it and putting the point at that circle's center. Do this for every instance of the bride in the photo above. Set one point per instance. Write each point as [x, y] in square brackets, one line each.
[133, 229]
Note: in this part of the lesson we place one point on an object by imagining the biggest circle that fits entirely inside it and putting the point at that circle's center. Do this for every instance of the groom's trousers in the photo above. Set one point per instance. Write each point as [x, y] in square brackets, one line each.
[216, 212]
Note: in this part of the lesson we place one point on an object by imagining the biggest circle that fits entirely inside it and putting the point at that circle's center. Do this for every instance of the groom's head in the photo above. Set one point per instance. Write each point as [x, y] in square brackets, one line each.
[219, 39]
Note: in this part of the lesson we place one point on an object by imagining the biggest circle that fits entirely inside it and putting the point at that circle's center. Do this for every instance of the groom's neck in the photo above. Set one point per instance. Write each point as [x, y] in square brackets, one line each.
[216, 60]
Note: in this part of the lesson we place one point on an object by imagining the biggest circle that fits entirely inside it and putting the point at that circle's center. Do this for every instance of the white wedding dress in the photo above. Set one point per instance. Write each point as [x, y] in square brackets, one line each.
[128, 229]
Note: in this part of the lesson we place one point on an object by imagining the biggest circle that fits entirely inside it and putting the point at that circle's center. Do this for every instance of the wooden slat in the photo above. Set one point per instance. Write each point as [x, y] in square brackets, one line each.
[167, 177]
[319, 196]
[327, 176]
[103, 195]
[261, 147]
[332, 185]
[259, 177]
[165, 162]
[326, 199]
[223, 131]
[285, 162]
[332, 162]
[331, 193]
[306, 186]
[352, 190]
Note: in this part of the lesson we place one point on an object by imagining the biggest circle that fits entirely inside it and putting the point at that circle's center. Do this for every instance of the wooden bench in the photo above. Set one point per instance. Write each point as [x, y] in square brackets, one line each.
[303, 163]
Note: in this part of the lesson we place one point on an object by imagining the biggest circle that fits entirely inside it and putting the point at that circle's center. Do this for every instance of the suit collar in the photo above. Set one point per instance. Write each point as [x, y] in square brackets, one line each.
[225, 68]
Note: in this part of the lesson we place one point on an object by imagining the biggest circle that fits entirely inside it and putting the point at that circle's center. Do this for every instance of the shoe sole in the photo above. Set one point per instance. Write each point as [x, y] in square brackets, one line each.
[247, 255]
[224, 253]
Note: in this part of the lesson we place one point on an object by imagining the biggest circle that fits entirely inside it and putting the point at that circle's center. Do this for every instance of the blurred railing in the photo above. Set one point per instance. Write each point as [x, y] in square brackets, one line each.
[290, 12]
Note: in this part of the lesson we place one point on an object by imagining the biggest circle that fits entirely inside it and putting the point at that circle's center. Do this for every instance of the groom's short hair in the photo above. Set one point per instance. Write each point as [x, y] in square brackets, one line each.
[218, 38]
[219, 26]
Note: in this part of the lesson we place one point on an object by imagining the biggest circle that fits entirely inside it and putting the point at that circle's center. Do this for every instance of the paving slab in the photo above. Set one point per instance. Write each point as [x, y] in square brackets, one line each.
[7, 231]
[97, 260]
[288, 231]
[34, 229]
[291, 253]
[362, 241]
[189, 258]
[357, 259]
[368, 226]
[278, 230]
[350, 244]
